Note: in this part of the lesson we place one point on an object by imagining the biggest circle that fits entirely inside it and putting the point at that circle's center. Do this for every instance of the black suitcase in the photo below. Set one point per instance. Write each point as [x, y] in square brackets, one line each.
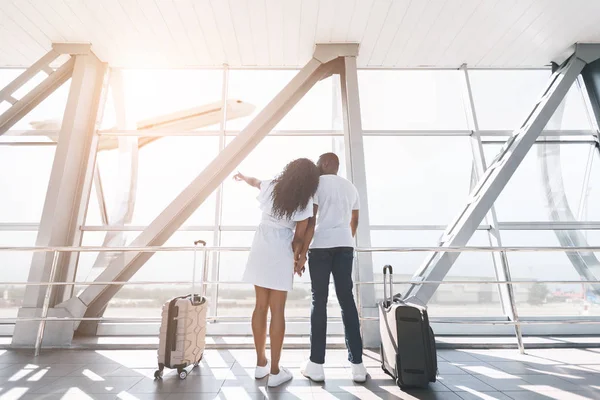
[408, 351]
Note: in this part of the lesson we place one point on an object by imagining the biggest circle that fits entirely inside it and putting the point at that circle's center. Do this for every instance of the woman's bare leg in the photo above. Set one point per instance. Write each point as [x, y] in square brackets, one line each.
[259, 324]
[277, 329]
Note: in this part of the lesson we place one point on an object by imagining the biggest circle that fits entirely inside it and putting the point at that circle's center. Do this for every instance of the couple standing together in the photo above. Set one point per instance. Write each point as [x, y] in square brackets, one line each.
[306, 206]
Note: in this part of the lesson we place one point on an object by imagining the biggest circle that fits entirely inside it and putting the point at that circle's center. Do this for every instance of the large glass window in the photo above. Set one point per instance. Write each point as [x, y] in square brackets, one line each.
[413, 178]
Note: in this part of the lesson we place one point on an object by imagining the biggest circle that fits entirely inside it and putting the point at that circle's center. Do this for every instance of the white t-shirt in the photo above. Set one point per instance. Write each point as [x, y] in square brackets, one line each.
[336, 198]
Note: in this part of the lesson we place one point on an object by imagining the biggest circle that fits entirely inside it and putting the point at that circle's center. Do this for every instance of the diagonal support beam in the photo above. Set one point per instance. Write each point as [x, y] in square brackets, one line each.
[28, 102]
[40, 65]
[94, 298]
[437, 265]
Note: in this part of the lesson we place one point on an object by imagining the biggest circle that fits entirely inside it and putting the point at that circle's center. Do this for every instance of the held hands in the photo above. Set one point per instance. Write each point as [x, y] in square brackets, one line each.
[299, 264]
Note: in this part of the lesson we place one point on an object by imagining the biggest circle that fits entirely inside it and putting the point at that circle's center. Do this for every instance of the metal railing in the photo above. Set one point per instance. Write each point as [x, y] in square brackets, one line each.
[56, 250]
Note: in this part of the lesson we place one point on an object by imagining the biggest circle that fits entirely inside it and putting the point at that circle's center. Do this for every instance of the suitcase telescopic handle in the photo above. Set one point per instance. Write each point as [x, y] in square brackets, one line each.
[386, 269]
[204, 266]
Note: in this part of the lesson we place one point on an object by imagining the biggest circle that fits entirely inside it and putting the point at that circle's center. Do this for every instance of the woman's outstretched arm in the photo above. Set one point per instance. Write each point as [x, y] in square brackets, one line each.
[248, 179]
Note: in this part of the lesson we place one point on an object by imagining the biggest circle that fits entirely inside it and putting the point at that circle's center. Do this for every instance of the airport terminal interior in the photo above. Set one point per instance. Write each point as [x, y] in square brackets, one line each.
[470, 129]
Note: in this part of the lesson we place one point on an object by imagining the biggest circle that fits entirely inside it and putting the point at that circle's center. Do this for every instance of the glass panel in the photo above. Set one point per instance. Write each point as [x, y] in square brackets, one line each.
[408, 100]
[450, 300]
[24, 181]
[417, 180]
[503, 99]
[550, 299]
[166, 167]
[525, 196]
[239, 205]
[150, 93]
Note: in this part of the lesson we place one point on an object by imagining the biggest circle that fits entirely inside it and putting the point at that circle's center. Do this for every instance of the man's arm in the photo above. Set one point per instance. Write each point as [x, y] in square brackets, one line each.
[354, 222]
[298, 243]
[248, 179]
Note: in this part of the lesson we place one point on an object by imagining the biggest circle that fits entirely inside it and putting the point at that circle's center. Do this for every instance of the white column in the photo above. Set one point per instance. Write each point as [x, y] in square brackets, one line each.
[66, 198]
[355, 165]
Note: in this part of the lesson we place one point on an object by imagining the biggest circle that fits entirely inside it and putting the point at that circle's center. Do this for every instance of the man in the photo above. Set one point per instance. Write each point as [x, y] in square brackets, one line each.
[336, 205]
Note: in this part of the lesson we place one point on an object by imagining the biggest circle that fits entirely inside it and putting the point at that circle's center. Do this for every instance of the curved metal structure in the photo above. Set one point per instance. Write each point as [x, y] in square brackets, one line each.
[585, 263]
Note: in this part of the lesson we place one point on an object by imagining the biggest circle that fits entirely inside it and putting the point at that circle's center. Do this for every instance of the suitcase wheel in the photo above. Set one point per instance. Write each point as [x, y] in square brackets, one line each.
[182, 373]
[158, 374]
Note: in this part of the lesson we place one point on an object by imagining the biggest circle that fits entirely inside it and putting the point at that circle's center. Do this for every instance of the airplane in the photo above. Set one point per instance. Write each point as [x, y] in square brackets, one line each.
[185, 120]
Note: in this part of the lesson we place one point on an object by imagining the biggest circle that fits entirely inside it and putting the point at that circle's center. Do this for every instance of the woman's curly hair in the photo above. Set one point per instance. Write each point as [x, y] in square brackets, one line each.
[294, 187]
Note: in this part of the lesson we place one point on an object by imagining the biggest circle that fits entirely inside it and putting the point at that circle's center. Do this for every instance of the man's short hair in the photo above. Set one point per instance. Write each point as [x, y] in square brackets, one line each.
[331, 160]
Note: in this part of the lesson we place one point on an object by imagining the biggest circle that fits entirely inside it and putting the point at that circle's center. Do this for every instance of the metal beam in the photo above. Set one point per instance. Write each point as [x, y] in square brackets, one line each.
[29, 73]
[355, 164]
[64, 210]
[458, 233]
[93, 299]
[35, 96]
[591, 80]
[584, 262]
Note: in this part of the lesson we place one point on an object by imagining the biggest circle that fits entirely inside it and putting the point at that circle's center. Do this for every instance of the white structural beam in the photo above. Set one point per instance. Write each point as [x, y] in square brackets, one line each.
[491, 184]
[66, 198]
[355, 171]
[40, 65]
[93, 299]
[28, 102]
[499, 259]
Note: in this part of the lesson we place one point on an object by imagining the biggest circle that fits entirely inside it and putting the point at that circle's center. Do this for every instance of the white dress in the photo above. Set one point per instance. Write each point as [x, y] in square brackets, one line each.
[271, 261]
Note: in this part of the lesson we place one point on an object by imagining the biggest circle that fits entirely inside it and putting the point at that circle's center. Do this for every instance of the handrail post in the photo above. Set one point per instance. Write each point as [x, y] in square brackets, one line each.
[518, 330]
[46, 305]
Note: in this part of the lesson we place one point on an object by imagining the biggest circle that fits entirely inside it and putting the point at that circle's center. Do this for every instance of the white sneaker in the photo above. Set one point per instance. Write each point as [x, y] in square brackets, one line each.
[313, 371]
[261, 372]
[282, 377]
[359, 373]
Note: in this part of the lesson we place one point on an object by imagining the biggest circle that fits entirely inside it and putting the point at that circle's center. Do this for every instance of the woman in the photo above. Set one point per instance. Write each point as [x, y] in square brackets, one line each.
[286, 205]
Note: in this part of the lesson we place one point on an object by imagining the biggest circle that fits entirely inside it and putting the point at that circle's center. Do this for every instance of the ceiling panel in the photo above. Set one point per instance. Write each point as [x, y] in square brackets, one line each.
[275, 33]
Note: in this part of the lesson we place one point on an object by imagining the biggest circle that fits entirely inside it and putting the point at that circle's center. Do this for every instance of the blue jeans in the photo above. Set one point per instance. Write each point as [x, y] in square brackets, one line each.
[321, 264]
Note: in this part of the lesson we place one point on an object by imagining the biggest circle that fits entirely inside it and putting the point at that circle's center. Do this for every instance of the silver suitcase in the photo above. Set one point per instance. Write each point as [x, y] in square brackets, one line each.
[183, 328]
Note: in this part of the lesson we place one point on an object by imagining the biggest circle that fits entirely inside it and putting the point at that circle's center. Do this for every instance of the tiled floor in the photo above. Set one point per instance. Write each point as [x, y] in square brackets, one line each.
[559, 374]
